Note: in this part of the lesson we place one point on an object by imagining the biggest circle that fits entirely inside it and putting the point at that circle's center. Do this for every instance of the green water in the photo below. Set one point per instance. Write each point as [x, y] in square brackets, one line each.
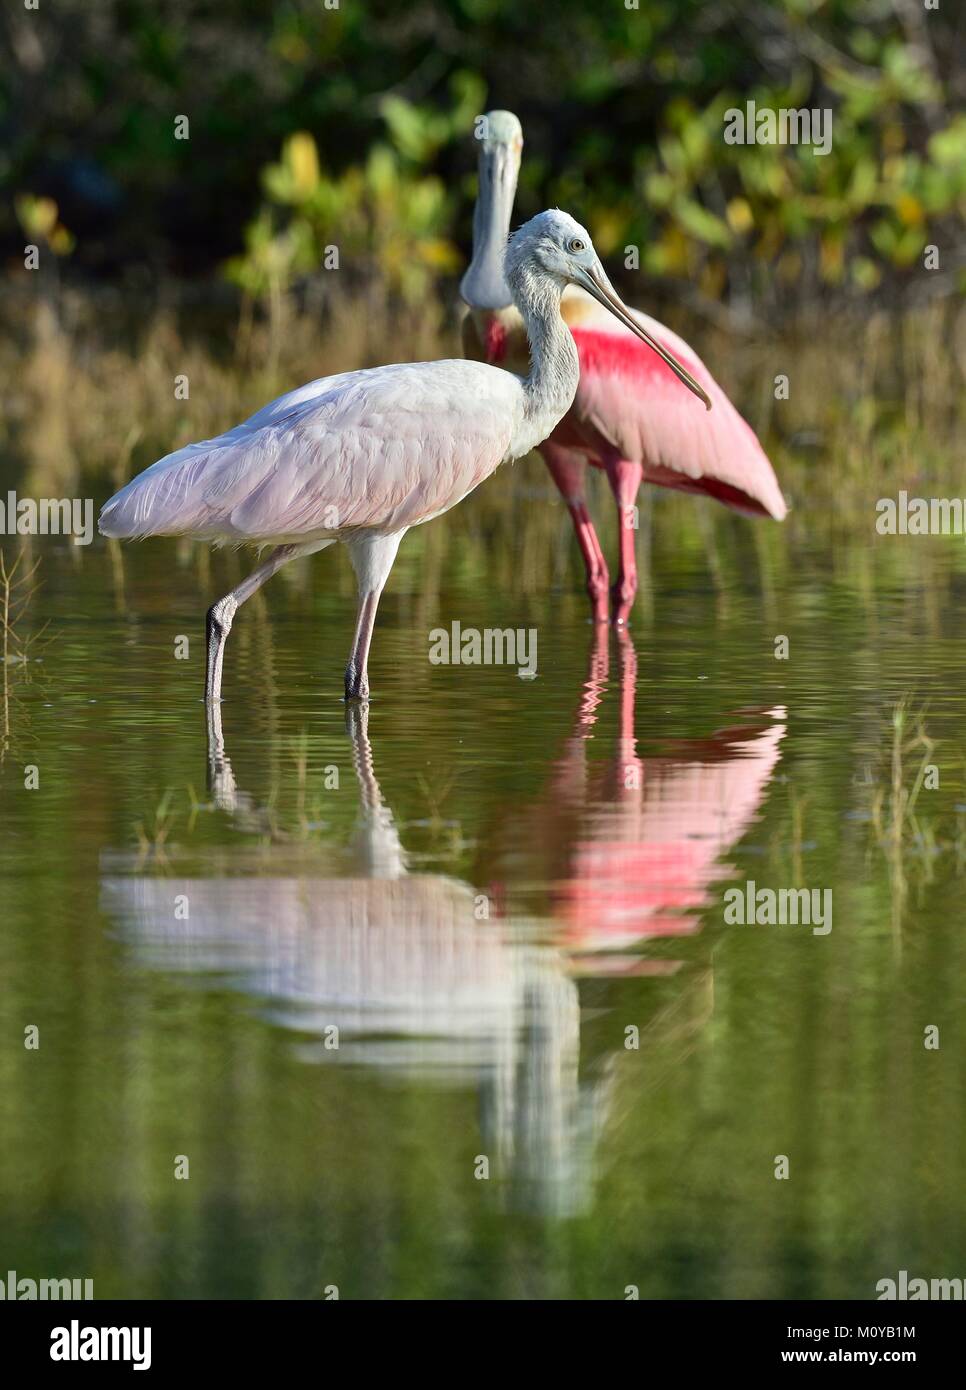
[483, 894]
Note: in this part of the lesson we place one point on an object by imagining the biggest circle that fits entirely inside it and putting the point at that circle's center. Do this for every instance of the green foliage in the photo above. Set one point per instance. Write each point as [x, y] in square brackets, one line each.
[313, 126]
[389, 218]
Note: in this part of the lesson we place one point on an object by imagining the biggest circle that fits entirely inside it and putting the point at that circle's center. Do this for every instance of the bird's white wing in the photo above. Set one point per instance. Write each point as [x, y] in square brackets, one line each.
[383, 448]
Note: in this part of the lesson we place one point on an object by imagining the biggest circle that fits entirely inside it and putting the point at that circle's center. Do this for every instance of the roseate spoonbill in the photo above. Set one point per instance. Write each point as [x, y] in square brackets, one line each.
[628, 417]
[363, 456]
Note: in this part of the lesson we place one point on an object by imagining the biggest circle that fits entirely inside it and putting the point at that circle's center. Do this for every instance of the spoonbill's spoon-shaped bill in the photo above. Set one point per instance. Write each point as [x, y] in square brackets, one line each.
[596, 283]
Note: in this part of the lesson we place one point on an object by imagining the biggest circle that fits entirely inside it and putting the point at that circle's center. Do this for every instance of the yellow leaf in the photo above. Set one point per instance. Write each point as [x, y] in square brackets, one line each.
[909, 209]
[61, 241]
[440, 254]
[37, 216]
[740, 216]
[302, 158]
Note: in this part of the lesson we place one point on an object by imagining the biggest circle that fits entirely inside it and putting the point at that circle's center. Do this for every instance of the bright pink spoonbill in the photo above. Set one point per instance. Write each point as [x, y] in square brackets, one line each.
[362, 457]
[629, 416]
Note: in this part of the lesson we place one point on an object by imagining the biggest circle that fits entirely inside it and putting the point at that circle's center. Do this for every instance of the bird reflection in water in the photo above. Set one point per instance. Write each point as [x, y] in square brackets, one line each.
[633, 844]
[419, 984]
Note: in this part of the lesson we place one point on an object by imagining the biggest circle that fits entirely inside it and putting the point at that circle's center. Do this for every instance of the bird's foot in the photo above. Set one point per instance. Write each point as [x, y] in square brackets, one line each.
[356, 684]
[621, 602]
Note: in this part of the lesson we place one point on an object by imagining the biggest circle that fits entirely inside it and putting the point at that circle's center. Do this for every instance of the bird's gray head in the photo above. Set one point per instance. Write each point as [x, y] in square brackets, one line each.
[552, 251]
[500, 128]
[500, 138]
[557, 244]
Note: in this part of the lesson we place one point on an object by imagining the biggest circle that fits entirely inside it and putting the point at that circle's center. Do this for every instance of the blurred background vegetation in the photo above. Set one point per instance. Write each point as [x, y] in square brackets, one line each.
[310, 124]
[322, 136]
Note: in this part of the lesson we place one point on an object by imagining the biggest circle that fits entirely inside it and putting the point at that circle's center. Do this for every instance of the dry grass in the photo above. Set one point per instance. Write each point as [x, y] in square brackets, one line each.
[874, 403]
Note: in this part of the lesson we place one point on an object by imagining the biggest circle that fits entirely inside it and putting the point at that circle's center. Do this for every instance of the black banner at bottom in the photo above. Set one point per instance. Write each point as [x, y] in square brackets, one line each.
[168, 1338]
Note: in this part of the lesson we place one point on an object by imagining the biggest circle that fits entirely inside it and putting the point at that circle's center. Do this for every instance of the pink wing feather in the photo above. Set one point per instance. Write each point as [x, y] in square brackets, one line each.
[631, 404]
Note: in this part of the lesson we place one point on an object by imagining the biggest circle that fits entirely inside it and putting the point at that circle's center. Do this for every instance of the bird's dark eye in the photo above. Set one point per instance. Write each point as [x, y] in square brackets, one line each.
[577, 245]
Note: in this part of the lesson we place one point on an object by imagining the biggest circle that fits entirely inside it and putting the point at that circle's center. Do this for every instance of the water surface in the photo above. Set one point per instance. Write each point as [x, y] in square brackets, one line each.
[349, 958]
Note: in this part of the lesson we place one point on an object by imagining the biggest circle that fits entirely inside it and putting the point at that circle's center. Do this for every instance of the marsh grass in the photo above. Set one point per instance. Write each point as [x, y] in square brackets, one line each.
[874, 404]
[96, 393]
[910, 741]
[909, 839]
[153, 833]
[19, 583]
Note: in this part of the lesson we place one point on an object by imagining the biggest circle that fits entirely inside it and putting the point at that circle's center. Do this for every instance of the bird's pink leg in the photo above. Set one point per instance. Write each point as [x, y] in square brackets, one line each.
[356, 671]
[372, 557]
[568, 471]
[625, 477]
[222, 613]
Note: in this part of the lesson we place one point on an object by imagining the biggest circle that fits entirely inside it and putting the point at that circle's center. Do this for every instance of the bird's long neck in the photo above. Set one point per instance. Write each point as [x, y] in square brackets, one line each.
[551, 384]
[483, 285]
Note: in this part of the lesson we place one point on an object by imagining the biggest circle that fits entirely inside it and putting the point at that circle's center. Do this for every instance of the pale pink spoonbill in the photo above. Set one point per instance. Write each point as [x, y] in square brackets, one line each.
[363, 456]
[629, 417]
